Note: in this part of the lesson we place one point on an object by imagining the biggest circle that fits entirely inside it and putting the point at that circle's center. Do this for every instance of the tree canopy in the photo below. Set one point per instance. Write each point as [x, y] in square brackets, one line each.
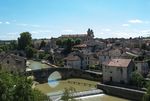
[24, 40]
[68, 43]
[137, 79]
[18, 88]
[43, 44]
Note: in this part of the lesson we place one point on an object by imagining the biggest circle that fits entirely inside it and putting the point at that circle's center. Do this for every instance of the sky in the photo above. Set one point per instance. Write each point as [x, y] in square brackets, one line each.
[51, 18]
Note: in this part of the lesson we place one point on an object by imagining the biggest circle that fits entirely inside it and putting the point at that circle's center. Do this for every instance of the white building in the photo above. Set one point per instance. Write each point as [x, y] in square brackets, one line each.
[73, 61]
[117, 70]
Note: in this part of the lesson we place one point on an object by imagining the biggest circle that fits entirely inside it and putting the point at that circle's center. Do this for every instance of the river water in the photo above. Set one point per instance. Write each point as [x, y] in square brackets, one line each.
[36, 65]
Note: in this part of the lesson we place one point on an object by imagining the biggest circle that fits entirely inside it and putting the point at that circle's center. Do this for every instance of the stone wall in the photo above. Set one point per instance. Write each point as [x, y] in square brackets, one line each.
[131, 94]
[42, 75]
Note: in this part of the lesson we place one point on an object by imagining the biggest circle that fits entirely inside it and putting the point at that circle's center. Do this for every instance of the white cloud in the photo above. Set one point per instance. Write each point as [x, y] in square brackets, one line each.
[28, 25]
[22, 24]
[135, 21]
[7, 22]
[67, 30]
[146, 31]
[0, 22]
[34, 25]
[12, 34]
[125, 25]
[40, 31]
[106, 30]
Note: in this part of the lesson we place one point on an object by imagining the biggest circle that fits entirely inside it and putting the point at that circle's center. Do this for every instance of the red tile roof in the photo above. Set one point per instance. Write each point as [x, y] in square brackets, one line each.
[118, 63]
[80, 46]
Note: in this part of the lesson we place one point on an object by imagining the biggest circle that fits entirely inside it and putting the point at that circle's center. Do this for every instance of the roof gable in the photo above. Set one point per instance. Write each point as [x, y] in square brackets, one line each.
[118, 63]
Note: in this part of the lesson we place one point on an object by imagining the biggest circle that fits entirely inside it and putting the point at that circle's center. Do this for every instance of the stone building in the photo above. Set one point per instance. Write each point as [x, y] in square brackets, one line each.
[12, 63]
[118, 70]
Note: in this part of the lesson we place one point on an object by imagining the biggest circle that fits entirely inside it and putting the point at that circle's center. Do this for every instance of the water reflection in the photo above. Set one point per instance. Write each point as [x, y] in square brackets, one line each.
[53, 79]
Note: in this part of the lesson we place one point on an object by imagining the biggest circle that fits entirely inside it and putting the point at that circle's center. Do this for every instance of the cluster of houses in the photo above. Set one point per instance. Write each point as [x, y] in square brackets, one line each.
[115, 58]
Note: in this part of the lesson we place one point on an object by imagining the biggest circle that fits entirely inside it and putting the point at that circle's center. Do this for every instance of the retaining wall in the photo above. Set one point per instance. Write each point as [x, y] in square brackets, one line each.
[127, 93]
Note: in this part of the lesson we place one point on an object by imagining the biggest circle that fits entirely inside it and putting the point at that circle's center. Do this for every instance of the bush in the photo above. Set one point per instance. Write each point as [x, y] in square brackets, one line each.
[18, 88]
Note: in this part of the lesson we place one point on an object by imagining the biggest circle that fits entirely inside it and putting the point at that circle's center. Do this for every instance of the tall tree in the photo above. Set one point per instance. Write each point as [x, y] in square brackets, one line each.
[29, 51]
[24, 40]
[43, 44]
[18, 88]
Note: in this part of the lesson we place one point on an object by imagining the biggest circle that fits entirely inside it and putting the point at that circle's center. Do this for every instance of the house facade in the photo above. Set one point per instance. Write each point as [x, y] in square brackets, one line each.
[117, 70]
[142, 67]
[73, 61]
[12, 63]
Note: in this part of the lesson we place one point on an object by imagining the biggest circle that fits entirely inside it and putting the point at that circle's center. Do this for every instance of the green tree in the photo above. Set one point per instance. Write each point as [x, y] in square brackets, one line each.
[77, 41]
[59, 42]
[24, 40]
[137, 79]
[13, 45]
[43, 44]
[18, 88]
[29, 52]
[146, 97]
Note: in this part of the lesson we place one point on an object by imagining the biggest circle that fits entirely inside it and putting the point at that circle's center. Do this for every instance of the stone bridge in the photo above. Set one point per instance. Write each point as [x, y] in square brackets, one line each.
[42, 75]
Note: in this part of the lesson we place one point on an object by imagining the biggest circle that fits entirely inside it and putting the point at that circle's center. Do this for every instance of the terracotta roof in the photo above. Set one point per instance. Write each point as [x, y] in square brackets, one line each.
[72, 58]
[81, 46]
[118, 63]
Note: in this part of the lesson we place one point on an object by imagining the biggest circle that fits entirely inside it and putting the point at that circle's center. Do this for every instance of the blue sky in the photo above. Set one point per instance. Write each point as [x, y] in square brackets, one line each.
[51, 18]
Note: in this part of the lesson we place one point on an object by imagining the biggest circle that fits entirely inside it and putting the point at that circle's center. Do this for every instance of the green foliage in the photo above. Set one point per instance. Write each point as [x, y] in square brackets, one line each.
[77, 41]
[29, 52]
[146, 97]
[68, 94]
[8, 47]
[13, 45]
[43, 44]
[24, 40]
[18, 88]
[92, 67]
[59, 42]
[42, 55]
[4, 47]
[67, 43]
[137, 79]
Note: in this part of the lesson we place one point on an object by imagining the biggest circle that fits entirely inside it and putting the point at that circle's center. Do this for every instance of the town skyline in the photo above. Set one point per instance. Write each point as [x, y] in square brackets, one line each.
[49, 18]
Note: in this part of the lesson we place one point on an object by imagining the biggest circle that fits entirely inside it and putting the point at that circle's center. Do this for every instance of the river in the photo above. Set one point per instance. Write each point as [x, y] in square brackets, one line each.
[33, 65]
